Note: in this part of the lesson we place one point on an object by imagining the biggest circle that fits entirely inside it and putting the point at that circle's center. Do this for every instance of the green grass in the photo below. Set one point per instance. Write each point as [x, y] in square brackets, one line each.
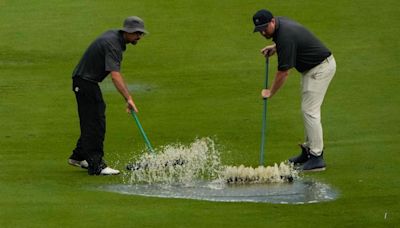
[202, 75]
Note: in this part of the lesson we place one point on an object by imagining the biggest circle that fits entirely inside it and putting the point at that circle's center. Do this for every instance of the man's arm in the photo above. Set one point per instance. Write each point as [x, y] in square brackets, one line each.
[279, 80]
[123, 90]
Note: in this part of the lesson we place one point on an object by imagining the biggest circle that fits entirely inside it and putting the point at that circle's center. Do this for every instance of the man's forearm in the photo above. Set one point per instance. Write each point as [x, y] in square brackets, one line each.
[120, 85]
[279, 80]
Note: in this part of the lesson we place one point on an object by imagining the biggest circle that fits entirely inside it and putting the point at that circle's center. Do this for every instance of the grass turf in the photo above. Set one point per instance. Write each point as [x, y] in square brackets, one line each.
[197, 74]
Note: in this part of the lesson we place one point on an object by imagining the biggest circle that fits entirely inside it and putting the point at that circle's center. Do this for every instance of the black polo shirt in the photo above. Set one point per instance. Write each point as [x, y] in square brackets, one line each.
[102, 56]
[297, 47]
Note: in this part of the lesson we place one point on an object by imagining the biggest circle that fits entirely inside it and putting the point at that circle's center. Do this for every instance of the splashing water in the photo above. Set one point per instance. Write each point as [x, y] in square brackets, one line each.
[285, 172]
[179, 164]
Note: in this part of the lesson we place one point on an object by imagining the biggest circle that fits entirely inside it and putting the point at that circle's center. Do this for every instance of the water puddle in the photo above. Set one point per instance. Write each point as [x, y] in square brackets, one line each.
[107, 86]
[195, 171]
[301, 191]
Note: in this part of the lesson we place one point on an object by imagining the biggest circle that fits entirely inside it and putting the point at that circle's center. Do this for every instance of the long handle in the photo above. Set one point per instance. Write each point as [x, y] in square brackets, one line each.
[142, 131]
[264, 117]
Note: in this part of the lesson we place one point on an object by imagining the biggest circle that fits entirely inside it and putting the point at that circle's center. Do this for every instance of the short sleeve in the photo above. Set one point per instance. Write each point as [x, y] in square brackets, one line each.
[113, 58]
[286, 55]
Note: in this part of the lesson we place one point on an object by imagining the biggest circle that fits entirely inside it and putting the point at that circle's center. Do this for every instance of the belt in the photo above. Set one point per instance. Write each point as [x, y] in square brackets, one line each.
[328, 59]
[85, 79]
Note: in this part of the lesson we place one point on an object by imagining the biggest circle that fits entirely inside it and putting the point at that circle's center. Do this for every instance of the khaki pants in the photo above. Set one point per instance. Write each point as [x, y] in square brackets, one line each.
[315, 83]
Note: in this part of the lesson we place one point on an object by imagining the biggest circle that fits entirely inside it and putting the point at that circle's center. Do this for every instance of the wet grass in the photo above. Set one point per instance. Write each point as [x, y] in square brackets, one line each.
[202, 76]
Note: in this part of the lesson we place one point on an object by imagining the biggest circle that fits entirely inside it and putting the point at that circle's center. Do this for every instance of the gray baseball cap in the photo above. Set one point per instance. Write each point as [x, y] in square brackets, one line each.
[134, 24]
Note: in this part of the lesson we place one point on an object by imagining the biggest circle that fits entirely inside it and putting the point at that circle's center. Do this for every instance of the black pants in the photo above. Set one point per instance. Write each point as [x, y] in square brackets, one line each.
[92, 119]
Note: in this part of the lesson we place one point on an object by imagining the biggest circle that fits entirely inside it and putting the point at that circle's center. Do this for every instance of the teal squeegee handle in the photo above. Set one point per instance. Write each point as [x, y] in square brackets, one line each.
[264, 117]
[148, 144]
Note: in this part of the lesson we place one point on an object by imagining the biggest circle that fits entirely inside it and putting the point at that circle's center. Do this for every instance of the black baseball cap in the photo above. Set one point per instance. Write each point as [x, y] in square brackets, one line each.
[261, 20]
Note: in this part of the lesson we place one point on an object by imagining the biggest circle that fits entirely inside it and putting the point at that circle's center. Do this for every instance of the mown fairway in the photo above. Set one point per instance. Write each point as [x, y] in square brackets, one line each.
[199, 73]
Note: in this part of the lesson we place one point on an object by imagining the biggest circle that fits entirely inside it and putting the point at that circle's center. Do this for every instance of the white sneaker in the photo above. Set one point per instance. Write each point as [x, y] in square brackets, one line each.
[83, 164]
[109, 171]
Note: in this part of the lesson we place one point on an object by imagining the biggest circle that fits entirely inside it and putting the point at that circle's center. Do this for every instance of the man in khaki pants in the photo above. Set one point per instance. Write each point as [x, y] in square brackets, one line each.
[298, 48]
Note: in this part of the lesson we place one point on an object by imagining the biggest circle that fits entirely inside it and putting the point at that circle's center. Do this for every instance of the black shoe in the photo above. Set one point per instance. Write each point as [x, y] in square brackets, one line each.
[315, 163]
[303, 157]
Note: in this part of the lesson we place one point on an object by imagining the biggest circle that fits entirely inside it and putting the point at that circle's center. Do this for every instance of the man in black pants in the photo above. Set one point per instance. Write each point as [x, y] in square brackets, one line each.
[103, 57]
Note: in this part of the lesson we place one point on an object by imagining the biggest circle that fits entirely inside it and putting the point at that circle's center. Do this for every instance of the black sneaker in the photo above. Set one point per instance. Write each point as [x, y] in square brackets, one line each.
[303, 157]
[315, 163]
